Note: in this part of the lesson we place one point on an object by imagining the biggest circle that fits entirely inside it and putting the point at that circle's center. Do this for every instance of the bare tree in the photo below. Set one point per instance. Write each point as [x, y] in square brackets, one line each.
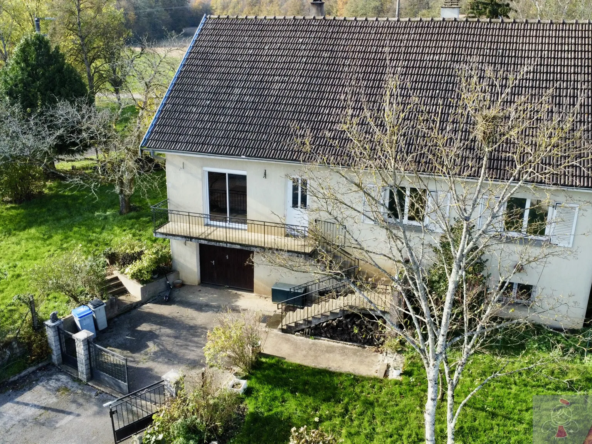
[450, 185]
[118, 161]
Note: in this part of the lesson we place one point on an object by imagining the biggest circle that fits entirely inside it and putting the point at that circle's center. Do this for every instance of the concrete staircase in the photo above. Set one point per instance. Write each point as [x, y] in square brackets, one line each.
[115, 287]
[326, 309]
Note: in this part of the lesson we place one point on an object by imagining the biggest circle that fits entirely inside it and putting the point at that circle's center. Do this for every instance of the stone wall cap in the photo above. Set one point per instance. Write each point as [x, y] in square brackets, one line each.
[82, 335]
[53, 324]
[171, 376]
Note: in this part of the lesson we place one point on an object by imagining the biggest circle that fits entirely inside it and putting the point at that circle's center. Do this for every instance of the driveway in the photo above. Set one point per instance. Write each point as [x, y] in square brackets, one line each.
[50, 407]
[159, 337]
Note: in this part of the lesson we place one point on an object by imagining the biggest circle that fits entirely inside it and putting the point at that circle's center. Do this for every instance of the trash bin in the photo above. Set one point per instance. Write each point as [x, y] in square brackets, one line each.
[280, 292]
[98, 308]
[84, 318]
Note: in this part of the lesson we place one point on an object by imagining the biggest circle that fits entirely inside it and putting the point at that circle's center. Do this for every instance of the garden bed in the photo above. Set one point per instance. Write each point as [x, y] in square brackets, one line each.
[352, 328]
[145, 292]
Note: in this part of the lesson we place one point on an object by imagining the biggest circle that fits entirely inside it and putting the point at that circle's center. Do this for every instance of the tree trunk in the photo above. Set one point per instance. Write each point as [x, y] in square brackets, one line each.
[450, 424]
[430, 406]
[124, 204]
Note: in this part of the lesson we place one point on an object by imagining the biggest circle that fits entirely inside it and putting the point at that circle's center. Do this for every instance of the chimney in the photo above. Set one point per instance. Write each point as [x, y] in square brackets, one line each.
[318, 8]
[450, 9]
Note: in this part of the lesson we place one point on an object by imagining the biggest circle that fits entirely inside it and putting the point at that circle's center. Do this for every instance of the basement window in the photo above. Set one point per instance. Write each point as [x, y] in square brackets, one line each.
[516, 293]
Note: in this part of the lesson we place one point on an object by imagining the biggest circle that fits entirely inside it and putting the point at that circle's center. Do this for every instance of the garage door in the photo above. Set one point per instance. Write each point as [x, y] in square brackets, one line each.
[229, 267]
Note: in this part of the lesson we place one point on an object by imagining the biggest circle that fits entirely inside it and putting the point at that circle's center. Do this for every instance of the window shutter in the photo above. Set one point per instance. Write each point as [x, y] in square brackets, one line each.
[441, 200]
[487, 205]
[563, 227]
[367, 214]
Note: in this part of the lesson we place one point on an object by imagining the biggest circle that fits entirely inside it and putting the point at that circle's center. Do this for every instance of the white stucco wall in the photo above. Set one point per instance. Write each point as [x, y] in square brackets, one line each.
[266, 197]
[186, 260]
[266, 275]
[563, 279]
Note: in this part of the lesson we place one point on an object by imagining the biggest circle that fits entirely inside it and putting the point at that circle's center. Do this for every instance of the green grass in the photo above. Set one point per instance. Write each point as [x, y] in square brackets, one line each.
[364, 410]
[83, 164]
[56, 223]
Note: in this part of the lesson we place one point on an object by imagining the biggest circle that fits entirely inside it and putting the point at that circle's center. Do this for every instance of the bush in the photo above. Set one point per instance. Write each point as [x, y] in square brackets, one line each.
[304, 436]
[77, 276]
[127, 251]
[235, 342]
[200, 416]
[20, 181]
[159, 256]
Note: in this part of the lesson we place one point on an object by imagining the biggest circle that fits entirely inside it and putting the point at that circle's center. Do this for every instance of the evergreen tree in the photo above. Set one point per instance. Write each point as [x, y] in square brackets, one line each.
[37, 76]
[492, 9]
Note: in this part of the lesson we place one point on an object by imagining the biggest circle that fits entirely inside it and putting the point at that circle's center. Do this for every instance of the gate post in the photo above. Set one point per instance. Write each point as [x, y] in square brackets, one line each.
[82, 339]
[53, 338]
[172, 383]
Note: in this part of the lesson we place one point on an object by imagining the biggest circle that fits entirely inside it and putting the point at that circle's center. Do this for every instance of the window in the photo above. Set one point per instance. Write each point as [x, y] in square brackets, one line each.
[411, 205]
[227, 197]
[516, 293]
[526, 216]
[299, 193]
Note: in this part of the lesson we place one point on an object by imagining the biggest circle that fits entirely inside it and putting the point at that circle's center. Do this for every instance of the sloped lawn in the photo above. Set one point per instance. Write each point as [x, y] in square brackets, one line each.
[56, 223]
[361, 410]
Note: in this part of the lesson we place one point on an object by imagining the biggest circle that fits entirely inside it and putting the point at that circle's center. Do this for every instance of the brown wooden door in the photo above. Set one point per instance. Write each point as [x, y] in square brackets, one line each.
[229, 267]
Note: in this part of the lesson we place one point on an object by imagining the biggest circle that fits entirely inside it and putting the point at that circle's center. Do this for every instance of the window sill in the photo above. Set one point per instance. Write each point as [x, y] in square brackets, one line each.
[523, 239]
[515, 303]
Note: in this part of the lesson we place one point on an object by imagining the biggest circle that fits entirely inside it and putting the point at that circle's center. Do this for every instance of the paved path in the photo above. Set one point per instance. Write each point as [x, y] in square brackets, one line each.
[50, 407]
[159, 337]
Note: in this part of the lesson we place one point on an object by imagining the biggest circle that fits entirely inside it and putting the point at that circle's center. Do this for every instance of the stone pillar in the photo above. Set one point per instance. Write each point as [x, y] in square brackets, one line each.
[172, 383]
[82, 339]
[53, 338]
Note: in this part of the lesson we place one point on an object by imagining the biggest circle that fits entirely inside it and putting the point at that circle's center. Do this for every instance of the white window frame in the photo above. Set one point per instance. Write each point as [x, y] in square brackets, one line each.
[524, 233]
[406, 221]
[206, 197]
[513, 301]
[299, 206]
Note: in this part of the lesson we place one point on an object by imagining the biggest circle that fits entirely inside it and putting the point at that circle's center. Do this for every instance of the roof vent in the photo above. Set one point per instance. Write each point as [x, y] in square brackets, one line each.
[318, 8]
[450, 9]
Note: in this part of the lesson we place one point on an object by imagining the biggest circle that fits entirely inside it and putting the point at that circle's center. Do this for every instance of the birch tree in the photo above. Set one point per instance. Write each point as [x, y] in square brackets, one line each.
[449, 184]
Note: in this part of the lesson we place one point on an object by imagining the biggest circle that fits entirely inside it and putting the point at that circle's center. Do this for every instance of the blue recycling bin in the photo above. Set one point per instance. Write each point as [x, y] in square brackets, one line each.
[84, 318]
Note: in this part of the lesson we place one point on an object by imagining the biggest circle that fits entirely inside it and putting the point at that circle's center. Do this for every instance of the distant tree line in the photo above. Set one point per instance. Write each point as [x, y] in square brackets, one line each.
[157, 18]
[519, 9]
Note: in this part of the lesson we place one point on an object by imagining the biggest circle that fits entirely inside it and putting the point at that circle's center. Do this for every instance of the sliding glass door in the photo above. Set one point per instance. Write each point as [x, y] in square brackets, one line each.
[227, 197]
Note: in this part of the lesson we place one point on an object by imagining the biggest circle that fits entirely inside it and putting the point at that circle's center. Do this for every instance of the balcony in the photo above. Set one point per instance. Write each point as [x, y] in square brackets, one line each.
[222, 230]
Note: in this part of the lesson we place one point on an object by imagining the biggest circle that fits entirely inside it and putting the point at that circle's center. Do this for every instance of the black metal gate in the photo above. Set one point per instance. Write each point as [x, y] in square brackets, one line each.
[133, 413]
[68, 347]
[108, 368]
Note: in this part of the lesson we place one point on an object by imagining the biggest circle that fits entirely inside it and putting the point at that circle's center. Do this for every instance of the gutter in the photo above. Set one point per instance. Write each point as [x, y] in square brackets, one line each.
[296, 162]
[172, 84]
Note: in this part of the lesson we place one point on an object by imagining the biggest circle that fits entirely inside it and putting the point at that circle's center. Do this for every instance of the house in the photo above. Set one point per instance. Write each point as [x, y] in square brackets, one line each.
[247, 85]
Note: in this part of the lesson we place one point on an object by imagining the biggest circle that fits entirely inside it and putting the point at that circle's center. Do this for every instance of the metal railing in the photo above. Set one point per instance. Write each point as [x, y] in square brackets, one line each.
[235, 230]
[109, 368]
[237, 200]
[338, 299]
[68, 348]
[308, 299]
[332, 239]
[133, 413]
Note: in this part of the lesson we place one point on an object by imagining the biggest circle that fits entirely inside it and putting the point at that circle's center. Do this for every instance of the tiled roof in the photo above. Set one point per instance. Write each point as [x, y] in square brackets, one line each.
[247, 84]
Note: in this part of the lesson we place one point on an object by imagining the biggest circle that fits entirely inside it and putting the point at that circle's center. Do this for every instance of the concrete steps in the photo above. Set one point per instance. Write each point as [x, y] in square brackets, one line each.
[114, 286]
[332, 308]
[320, 312]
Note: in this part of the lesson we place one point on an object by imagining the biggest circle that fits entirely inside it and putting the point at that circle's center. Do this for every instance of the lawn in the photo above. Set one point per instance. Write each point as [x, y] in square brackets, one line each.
[282, 395]
[56, 223]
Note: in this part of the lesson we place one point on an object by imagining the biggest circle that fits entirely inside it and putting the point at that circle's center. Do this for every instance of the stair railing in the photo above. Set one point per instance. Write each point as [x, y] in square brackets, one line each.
[382, 301]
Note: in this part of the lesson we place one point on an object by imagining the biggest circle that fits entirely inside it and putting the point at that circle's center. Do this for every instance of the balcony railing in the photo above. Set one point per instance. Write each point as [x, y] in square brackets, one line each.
[234, 230]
